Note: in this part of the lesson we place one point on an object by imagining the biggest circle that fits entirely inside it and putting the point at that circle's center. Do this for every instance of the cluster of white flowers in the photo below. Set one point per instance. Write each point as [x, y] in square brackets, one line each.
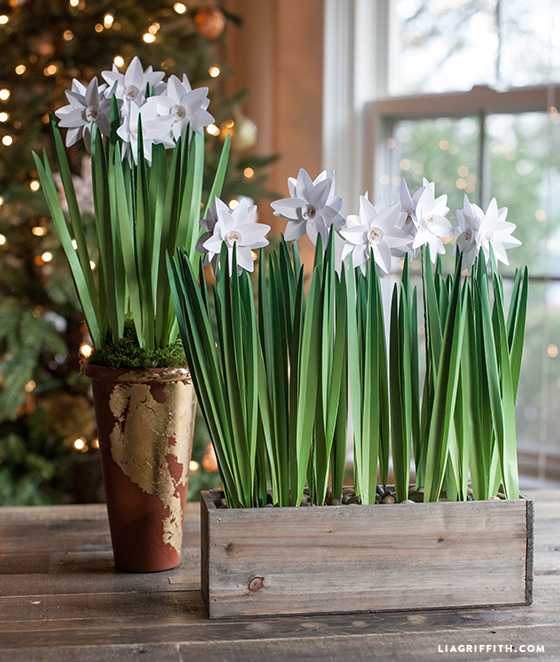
[386, 232]
[164, 109]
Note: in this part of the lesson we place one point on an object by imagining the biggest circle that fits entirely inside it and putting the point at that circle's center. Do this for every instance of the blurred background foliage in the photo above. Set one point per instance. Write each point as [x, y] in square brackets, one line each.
[48, 445]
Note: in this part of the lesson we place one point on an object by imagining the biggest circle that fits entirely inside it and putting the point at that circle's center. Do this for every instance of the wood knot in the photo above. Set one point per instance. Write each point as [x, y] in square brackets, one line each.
[255, 584]
[440, 540]
[230, 549]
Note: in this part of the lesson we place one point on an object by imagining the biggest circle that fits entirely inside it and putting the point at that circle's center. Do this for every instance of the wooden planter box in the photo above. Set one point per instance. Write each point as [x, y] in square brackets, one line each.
[334, 559]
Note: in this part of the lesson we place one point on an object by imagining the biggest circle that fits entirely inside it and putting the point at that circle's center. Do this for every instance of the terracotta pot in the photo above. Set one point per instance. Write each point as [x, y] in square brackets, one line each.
[145, 422]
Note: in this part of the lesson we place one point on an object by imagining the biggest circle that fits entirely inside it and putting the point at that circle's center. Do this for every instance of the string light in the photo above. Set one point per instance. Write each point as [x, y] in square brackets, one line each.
[213, 130]
[4, 19]
[74, 3]
[396, 181]
[180, 8]
[193, 465]
[404, 164]
[74, 244]
[20, 69]
[4, 117]
[148, 38]
[34, 185]
[80, 444]
[50, 70]
[4, 94]
[68, 35]
[462, 171]
[233, 203]
[2, 239]
[391, 143]
[92, 265]
[30, 386]
[552, 351]
[118, 60]
[7, 140]
[95, 443]
[214, 72]
[108, 20]
[38, 231]
[248, 172]
[1, 200]
[384, 180]
[154, 28]
[461, 183]
[540, 215]
[444, 144]
[86, 349]
[99, 27]
[47, 256]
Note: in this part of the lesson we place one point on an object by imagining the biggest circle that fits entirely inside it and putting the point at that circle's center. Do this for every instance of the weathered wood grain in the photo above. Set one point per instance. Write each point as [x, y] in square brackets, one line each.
[364, 558]
[69, 603]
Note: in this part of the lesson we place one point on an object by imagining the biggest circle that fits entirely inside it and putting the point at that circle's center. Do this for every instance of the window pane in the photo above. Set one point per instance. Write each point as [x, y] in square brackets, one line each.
[445, 45]
[444, 151]
[537, 413]
[524, 172]
[451, 45]
[530, 48]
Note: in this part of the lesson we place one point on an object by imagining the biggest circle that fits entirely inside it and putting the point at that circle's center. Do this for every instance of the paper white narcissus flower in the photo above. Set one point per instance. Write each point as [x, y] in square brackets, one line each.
[480, 230]
[87, 106]
[155, 129]
[431, 224]
[208, 224]
[467, 233]
[312, 207]
[375, 229]
[409, 204]
[185, 105]
[131, 86]
[233, 228]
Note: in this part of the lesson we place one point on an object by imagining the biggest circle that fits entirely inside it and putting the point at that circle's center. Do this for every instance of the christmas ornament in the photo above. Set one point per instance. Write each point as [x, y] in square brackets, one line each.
[244, 133]
[210, 22]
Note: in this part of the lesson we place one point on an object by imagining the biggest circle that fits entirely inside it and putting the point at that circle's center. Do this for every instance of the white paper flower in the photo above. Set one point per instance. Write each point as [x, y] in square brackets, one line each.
[208, 224]
[377, 229]
[480, 230]
[312, 207]
[185, 105]
[409, 204]
[430, 222]
[130, 86]
[88, 106]
[155, 129]
[233, 228]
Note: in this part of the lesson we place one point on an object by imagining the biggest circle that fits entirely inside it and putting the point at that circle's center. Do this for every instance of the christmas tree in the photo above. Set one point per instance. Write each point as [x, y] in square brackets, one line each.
[47, 427]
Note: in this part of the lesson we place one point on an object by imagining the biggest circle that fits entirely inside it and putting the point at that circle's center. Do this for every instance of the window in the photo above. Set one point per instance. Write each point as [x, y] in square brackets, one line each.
[464, 93]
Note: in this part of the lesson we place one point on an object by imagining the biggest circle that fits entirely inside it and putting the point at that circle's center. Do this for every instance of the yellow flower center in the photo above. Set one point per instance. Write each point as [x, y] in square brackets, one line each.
[132, 92]
[308, 212]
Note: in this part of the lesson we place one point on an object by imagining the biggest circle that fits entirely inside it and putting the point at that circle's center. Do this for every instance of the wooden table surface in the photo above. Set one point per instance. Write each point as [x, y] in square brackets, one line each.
[62, 599]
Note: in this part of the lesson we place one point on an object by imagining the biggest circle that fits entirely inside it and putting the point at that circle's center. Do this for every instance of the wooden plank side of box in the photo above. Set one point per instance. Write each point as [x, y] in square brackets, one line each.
[267, 561]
